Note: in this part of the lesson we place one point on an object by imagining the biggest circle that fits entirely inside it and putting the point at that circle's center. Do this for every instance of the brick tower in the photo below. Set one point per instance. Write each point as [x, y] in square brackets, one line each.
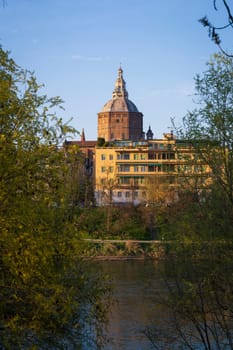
[120, 118]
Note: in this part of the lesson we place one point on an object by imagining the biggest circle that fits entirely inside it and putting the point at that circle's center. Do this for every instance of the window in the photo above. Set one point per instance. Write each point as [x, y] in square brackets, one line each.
[143, 168]
[152, 155]
[135, 168]
[126, 156]
[142, 156]
[119, 194]
[172, 155]
[127, 194]
[126, 168]
[103, 169]
[151, 168]
[123, 156]
[138, 181]
[136, 156]
[110, 156]
[111, 169]
[141, 180]
[124, 180]
[103, 156]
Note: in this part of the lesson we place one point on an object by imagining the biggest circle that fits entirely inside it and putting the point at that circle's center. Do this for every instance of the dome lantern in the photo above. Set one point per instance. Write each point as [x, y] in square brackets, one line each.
[120, 86]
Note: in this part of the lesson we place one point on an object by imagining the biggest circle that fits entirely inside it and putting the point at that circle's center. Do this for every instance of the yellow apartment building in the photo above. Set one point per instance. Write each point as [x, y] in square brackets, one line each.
[145, 171]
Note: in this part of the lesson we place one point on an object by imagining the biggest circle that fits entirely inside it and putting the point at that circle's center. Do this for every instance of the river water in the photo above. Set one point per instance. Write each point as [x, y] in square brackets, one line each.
[135, 283]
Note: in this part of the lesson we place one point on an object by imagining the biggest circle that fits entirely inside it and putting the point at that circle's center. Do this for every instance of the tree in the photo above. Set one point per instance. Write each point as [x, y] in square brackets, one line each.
[214, 30]
[159, 190]
[49, 297]
[198, 299]
[100, 142]
[106, 190]
[210, 128]
[160, 193]
[198, 277]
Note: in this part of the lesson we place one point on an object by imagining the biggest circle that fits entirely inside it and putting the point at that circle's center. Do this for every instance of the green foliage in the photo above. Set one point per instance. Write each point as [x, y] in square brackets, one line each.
[126, 249]
[198, 275]
[100, 142]
[125, 224]
[197, 219]
[49, 297]
[209, 127]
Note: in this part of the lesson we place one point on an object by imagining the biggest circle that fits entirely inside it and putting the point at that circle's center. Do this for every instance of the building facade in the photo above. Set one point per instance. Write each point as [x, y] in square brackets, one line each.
[148, 171]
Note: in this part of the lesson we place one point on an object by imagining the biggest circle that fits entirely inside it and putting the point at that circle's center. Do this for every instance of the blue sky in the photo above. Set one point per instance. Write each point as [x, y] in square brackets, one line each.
[75, 48]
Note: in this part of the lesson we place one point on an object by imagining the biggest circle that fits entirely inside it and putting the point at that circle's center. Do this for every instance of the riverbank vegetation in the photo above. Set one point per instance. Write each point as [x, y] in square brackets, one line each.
[115, 223]
[49, 297]
[124, 249]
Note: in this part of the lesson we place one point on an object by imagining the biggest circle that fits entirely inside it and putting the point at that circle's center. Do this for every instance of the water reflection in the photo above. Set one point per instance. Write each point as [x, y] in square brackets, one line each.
[135, 284]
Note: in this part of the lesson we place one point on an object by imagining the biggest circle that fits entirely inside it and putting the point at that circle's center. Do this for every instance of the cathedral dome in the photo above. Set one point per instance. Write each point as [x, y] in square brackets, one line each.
[119, 118]
[119, 104]
[119, 101]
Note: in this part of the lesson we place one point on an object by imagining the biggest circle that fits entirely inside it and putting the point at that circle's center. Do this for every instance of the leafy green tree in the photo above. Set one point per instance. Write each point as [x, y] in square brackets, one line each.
[49, 297]
[209, 128]
[198, 278]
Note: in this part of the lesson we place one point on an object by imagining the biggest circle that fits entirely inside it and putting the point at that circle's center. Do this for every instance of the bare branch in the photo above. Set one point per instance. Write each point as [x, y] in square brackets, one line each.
[230, 17]
[215, 6]
[213, 30]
